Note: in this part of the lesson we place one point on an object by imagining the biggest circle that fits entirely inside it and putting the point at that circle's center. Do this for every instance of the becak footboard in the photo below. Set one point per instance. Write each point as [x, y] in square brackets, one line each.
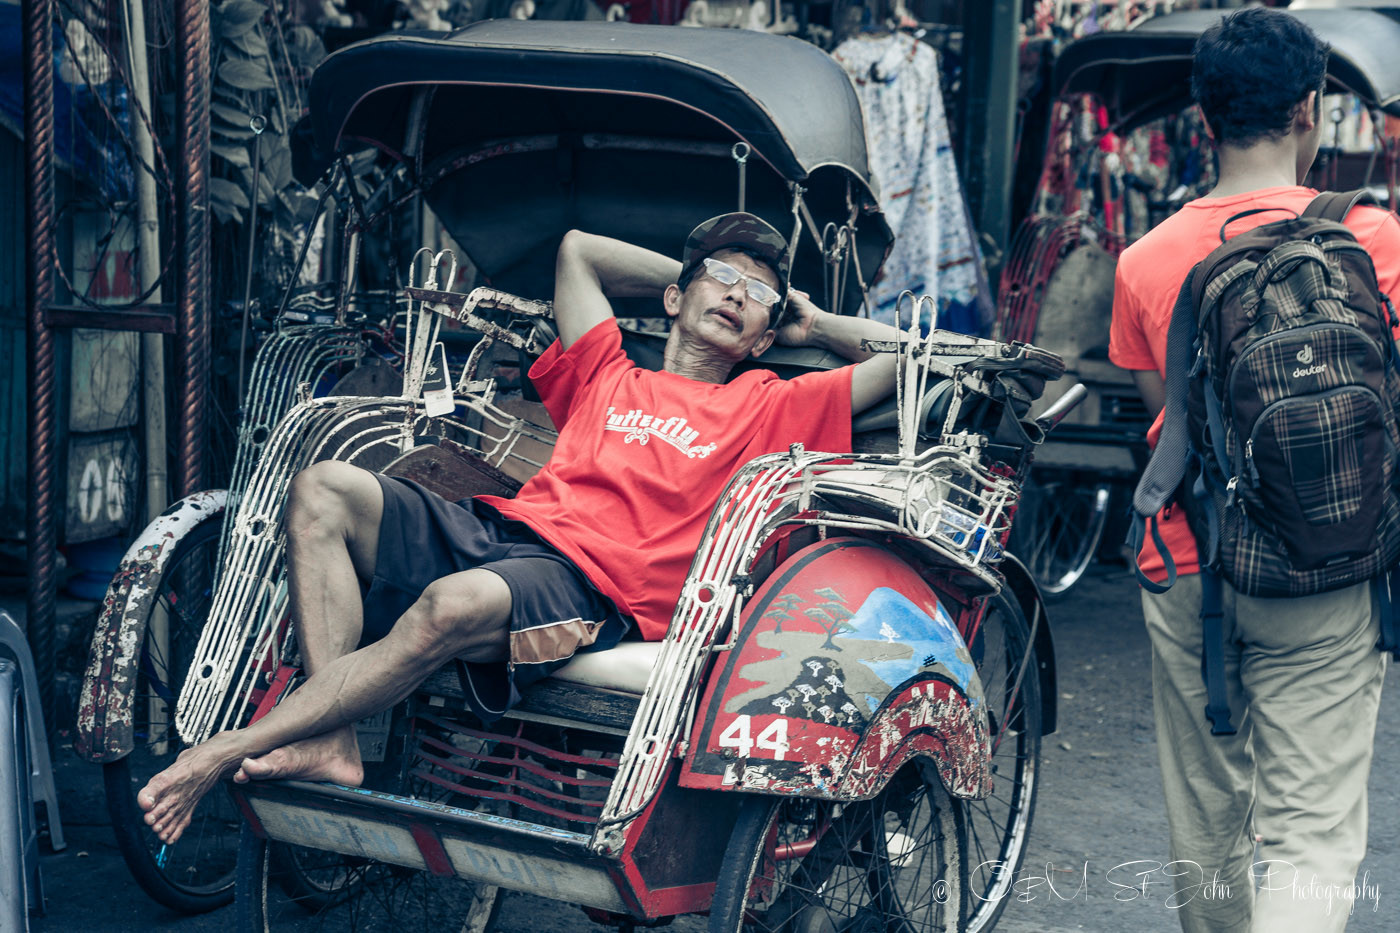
[844, 666]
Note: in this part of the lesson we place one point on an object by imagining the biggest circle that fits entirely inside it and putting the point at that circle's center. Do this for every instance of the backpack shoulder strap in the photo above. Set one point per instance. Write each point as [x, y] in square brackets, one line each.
[1335, 205]
[1168, 463]
[1213, 654]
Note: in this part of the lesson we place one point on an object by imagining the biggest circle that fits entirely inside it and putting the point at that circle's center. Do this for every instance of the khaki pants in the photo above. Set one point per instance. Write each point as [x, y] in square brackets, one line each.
[1304, 680]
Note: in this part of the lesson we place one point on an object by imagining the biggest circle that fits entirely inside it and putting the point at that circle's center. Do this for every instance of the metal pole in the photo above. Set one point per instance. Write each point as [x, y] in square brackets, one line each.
[257, 123]
[152, 345]
[148, 252]
[39, 342]
[192, 182]
[992, 51]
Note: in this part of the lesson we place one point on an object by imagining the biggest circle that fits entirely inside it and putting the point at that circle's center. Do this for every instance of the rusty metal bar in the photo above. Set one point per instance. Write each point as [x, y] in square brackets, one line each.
[146, 319]
[192, 340]
[40, 520]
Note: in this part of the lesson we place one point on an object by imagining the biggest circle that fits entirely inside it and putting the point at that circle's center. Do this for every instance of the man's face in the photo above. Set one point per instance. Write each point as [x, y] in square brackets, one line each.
[724, 317]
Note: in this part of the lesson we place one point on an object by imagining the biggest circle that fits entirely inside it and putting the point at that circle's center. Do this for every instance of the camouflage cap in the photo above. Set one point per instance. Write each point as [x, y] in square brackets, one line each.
[737, 230]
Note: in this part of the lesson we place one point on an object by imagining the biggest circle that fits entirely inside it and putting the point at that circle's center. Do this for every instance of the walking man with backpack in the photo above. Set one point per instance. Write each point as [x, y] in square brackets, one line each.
[1272, 494]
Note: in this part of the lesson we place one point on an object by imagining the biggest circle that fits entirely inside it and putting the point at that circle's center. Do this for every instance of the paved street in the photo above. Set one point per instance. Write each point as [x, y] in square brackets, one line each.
[1099, 809]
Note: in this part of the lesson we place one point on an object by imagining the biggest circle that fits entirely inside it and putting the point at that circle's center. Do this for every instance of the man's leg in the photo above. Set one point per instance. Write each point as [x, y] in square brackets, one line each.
[1313, 676]
[1207, 780]
[334, 511]
[463, 615]
[333, 516]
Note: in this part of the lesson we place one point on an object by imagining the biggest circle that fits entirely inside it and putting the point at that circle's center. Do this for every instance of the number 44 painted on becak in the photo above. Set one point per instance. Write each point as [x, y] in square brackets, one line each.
[772, 739]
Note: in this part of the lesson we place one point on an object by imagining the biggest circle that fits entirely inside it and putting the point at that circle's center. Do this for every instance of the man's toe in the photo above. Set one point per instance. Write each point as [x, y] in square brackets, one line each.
[253, 768]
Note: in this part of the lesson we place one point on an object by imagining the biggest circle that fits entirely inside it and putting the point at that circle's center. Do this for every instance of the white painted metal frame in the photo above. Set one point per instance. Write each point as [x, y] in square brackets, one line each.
[239, 648]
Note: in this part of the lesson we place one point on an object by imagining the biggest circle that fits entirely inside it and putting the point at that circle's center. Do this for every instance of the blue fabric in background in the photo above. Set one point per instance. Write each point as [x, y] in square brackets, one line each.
[12, 84]
[81, 130]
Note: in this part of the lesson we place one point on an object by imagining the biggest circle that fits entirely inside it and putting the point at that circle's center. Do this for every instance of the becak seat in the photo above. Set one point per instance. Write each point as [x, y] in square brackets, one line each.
[625, 667]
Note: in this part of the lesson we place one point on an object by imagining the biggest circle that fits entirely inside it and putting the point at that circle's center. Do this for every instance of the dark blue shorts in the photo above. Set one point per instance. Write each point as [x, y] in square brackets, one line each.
[554, 609]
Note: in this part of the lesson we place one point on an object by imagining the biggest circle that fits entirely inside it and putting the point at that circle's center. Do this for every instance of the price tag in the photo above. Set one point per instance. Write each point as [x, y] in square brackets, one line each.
[437, 387]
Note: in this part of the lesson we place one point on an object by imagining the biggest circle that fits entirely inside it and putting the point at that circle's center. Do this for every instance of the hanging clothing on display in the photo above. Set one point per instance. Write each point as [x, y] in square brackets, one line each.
[911, 155]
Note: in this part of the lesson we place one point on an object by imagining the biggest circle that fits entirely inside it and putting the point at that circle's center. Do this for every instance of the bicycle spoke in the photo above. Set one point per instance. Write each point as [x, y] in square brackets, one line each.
[877, 865]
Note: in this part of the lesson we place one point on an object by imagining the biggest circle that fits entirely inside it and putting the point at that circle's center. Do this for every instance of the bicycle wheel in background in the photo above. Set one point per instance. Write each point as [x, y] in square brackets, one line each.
[195, 874]
[283, 887]
[1059, 524]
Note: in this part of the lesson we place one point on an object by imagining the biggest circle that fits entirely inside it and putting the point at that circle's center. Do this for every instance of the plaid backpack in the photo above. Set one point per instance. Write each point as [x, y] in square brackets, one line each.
[1281, 443]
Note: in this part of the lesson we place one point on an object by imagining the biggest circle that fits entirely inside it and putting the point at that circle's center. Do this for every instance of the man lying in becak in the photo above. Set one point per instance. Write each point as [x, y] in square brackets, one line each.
[600, 540]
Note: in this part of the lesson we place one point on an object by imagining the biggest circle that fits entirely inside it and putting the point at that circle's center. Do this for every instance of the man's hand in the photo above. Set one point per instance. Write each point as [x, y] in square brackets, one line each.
[810, 326]
[802, 318]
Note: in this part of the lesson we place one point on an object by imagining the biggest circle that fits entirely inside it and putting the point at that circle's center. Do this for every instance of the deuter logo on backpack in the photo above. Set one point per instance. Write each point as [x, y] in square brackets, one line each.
[1280, 433]
[1305, 356]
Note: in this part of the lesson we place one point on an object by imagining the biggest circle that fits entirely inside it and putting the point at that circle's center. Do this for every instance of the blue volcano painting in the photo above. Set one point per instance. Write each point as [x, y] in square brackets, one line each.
[887, 615]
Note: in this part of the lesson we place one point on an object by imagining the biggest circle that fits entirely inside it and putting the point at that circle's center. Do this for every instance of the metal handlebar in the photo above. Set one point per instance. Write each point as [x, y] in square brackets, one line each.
[1062, 406]
[972, 364]
[459, 306]
[464, 308]
[971, 353]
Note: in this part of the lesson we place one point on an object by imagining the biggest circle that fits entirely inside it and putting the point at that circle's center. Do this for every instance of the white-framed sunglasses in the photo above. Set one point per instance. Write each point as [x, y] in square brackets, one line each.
[726, 275]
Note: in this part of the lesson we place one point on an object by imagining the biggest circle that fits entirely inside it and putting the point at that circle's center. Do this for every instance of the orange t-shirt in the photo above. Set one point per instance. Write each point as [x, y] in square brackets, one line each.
[1150, 273]
[643, 457]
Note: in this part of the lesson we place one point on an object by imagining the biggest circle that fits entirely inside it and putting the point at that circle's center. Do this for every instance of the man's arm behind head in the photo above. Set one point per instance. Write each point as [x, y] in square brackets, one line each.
[590, 269]
[808, 325]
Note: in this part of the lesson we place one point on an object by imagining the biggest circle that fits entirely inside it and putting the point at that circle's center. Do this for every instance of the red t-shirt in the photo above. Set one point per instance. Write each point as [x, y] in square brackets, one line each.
[1150, 273]
[643, 457]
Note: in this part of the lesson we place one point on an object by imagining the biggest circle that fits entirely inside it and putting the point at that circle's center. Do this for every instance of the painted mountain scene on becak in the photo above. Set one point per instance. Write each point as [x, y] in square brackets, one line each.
[932, 640]
[844, 672]
[818, 693]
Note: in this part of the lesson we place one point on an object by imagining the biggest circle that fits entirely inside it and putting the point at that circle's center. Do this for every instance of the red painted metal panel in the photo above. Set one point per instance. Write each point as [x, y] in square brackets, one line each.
[662, 901]
[845, 666]
[499, 765]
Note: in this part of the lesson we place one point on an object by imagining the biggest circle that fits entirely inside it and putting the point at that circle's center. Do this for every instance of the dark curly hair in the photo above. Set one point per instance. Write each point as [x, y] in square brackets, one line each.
[1251, 69]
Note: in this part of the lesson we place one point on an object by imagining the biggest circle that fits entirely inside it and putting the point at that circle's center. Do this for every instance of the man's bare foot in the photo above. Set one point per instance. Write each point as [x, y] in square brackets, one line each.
[170, 797]
[333, 756]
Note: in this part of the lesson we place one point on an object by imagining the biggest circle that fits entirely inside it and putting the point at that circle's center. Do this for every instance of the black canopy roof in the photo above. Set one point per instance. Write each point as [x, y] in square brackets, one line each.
[783, 96]
[520, 130]
[1145, 73]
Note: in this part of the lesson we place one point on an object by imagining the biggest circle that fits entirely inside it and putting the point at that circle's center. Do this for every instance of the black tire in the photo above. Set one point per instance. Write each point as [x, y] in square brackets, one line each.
[892, 863]
[283, 887]
[275, 889]
[249, 903]
[998, 827]
[1059, 524]
[19, 848]
[196, 874]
